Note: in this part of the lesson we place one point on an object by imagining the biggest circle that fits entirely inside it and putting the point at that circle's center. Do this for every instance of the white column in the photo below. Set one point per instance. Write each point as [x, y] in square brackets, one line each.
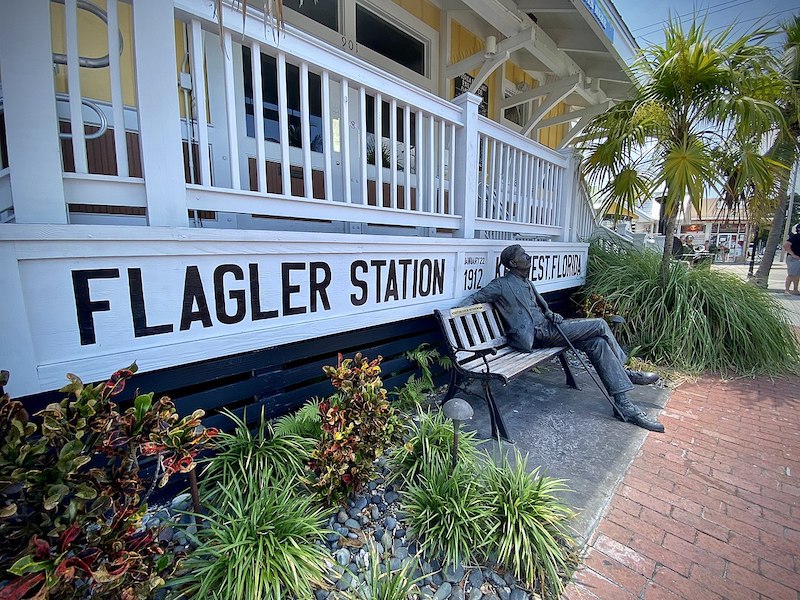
[570, 196]
[159, 115]
[29, 101]
[465, 168]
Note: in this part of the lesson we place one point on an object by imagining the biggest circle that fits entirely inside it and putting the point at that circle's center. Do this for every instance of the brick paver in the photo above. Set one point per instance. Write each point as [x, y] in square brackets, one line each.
[710, 509]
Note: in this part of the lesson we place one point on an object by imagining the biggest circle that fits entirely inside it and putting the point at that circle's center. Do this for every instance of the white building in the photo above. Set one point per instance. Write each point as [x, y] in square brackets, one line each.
[148, 216]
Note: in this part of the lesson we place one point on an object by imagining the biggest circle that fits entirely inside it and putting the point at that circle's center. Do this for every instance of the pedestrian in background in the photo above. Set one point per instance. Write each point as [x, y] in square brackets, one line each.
[792, 247]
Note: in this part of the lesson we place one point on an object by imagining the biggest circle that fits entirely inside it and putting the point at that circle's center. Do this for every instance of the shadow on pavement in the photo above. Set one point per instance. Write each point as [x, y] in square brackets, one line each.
[570, 433]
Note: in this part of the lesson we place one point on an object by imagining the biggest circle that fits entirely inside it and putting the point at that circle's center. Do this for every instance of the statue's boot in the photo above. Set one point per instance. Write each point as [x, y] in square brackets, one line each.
[641, 377]
[634, 414]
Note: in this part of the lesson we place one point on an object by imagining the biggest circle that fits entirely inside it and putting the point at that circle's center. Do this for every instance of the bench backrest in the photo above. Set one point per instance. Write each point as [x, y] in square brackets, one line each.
[471, 328]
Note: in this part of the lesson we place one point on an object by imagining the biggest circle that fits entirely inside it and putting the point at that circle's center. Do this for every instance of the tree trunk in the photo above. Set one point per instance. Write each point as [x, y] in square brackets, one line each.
[775, 236]
[669, 233]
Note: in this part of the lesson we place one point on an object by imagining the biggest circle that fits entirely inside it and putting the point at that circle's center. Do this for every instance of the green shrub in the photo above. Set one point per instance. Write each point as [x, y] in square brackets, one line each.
[256, 542]
[415, 391]
[431, 439]
[703, 320]
[530, 523]
[304, 422]
[358, 426]
[73, 499]
[260, 455]
[447, 512]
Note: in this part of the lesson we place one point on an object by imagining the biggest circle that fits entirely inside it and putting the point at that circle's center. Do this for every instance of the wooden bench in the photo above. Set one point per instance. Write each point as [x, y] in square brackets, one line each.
[478, 347]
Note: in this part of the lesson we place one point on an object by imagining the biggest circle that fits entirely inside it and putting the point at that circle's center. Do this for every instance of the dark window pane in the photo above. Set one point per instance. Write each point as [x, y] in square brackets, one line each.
[392, 42]
[324, 12]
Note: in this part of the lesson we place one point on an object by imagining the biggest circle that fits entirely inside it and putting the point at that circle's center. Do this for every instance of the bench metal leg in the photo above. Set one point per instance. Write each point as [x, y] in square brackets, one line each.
[568, 372]
[498, 426]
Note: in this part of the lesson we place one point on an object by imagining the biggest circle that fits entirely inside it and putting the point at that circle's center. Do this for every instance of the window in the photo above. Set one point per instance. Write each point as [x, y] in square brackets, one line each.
[388, 40]
[325, 13]
[380, 32]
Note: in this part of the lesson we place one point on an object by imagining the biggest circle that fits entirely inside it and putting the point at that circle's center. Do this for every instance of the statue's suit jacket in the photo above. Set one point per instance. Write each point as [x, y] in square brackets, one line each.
[520, 305]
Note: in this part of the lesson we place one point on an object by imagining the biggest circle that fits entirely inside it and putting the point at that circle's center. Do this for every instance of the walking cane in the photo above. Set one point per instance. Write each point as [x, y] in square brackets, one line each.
[586, 367]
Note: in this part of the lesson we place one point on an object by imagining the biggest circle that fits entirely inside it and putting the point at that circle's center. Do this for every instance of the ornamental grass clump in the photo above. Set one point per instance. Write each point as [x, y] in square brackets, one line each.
[702, 320]
[529, 523]
[257, 541]
[261, 455]
[382, 582]
[358, 426]
[446, 511]
[431, 439]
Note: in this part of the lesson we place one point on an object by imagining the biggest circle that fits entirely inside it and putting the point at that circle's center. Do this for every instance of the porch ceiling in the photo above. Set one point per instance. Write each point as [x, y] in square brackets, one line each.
[568, 38]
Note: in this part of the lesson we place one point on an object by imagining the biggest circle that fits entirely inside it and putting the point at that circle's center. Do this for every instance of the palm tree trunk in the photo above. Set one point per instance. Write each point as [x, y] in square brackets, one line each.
[669, 233]
[761, 278]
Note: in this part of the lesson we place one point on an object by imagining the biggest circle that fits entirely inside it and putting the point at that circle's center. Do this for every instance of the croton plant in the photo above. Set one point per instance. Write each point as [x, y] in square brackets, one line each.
[72, 495]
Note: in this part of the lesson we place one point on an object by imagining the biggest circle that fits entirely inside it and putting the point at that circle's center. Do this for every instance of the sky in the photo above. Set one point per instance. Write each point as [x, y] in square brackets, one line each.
[646, 18]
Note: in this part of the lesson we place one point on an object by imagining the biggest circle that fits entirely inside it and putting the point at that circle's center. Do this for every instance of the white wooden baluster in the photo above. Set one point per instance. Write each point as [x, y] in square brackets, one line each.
[502, 207]
[442, 205]
[362, 128]
[283, 123]
[378, 137]
[419, 168]
[258, 117]
[483, 182]
[490, 200]
[230, 112]
[452, 209]
[305, 131]
[393, 151]
[431, 168]
[344, 134]
[199, 93]
[117, 101]
[407, 156]
[327, 147]
[511, 213]
[74, 84]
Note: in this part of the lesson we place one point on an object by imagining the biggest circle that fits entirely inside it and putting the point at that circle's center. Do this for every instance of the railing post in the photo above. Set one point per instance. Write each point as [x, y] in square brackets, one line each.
[159, 116]
[571, 191]
[464, 173]
[29, 102]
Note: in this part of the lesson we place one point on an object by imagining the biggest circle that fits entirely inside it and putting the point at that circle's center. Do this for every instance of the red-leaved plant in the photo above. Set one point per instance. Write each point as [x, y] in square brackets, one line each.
[358, 425]
[71, 496]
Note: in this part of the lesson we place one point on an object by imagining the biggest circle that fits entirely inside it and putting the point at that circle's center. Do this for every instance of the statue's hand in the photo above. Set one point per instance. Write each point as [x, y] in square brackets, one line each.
[553, 317]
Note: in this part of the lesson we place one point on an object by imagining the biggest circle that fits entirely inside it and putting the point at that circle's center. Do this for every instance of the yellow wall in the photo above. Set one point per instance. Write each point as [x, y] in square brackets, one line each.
[423, 10]
[93, 42]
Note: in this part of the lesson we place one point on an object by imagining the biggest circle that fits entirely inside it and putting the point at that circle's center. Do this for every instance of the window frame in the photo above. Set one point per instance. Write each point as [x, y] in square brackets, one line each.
[394, 15]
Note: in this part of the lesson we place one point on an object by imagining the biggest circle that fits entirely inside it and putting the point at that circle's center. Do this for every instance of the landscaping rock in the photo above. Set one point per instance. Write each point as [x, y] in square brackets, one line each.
[475, 594]
[453, 575]
[341, 517]
[390, 523]
[352, 524]
[476, 578]
[443, 592]
[342, 556]
[518, 594]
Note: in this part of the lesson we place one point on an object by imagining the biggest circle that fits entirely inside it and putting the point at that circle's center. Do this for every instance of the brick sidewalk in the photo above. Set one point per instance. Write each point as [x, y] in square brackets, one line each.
[711, 508]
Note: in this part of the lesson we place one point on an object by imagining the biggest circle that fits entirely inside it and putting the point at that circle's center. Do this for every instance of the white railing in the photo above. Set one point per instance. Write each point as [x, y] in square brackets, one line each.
[327, 137]
[521, 183]
[584, 216]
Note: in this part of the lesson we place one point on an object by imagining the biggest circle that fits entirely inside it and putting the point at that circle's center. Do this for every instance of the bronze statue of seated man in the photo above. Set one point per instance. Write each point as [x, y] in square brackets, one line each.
[530, 323]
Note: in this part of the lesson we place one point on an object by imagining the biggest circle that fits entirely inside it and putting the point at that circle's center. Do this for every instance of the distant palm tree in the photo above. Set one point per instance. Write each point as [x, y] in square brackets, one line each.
[785, 148]
[700, 102]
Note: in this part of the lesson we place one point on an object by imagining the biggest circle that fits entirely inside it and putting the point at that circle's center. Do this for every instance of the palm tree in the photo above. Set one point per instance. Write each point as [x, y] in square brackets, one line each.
[700, 101]
[785, 148]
